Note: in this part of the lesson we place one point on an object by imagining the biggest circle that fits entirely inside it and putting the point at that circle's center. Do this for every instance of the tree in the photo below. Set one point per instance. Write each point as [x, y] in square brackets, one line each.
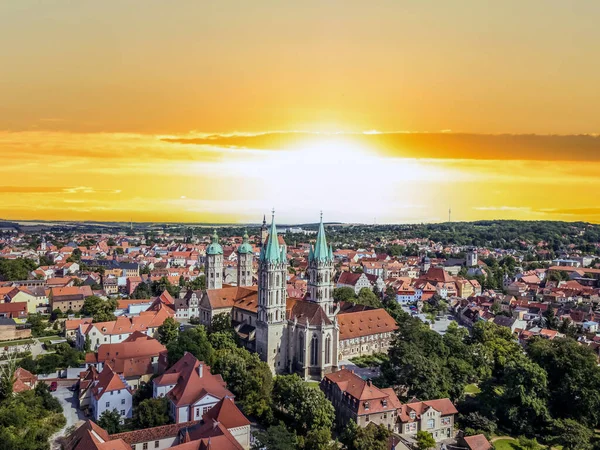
[193, 340]
[318, 439]
[367, 297]
[307, 407]
[372, 437]
[425, 440]
[198, 283]
[152, 412]
[571, 434]
[550, 319]
[344, 294]
[16, 269]
[100, 310]
[168, 331]
[221, 322]
[276, 437]
[110, 421]
[38, 325]
[142, 291]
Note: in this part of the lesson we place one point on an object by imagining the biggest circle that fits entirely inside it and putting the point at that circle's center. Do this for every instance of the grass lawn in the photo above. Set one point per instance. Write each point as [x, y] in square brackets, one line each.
[472, 389]
[12, 343]
[313, 384]
[49, 338]
[507, 444]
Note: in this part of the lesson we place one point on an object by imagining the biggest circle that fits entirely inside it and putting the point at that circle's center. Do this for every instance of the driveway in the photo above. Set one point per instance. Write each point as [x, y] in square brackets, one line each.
[74, 415]
[365, 374]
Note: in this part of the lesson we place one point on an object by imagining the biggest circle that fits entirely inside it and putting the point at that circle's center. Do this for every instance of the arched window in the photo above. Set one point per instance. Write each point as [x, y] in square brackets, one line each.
[328, 349]
[314, 351]
[301, 348]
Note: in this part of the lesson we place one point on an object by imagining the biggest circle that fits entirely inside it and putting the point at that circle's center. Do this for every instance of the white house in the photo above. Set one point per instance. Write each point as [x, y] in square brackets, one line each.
[110, 391]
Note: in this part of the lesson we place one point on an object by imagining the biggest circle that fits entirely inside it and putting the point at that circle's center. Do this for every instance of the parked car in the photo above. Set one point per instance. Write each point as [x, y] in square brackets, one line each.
[53, 386]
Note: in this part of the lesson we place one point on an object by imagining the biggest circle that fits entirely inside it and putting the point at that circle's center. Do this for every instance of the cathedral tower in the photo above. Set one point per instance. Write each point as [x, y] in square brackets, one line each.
[214, 263]
[271, 324]
[244, 265]
[321, 273]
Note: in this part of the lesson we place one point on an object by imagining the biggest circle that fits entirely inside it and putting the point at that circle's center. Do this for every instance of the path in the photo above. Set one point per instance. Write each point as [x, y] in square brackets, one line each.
[73, 414]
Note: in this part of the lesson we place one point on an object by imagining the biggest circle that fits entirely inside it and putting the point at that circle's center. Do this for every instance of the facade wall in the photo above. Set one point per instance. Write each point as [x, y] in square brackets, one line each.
[159, 444]
[365, 345]
[441, 427]
[120, 400]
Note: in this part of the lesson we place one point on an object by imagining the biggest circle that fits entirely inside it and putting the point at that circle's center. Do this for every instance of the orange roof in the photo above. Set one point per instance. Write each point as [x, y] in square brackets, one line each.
[444, 406]
[227, 413]
[365, 323]
[90, 436]
[477, 442]
[108, 380]
[227, 297]
[73, 324]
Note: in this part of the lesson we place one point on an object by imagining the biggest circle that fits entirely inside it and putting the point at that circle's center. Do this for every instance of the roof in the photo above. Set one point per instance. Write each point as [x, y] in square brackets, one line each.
[305, 311]
[90, 436]
[477, 442]
[444, 406]
[227, 297]
[437, 274]
[214, 248]
[321, 252]
[123, 325]
[364, 323]
[108, 380]
[245, 248]
[227, 413]
[364, 391]
[152, 434]
[189, 385]
[271, 251]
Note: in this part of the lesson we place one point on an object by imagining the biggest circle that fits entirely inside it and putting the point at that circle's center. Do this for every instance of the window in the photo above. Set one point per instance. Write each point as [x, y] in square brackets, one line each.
[108, 404]
[145, 446]
[411, 427]
[328, 349]
[112, 392]
[122, 401]
[205, 409]
[156, 444]
[366, 405]
[314, 351]
[445, 420]
[367, 418]
[430, 423]
[122, 412]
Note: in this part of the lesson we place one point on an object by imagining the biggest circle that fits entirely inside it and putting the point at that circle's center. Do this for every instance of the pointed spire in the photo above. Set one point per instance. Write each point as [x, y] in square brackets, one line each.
[321, 251]
[271, 251]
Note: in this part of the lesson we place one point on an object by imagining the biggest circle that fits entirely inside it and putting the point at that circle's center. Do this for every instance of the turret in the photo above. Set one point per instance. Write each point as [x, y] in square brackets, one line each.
[214, 263]
[321, 272]
[245, 259]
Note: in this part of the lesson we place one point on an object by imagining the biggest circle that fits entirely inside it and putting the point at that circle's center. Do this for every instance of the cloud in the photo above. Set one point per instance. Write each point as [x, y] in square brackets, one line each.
[502, 208]
[30, 189]
[443, 145]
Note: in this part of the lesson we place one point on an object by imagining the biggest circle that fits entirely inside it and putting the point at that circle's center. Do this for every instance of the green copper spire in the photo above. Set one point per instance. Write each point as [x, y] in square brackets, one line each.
[245, 248]
[321, 251]
[214, 248]
[271, 252]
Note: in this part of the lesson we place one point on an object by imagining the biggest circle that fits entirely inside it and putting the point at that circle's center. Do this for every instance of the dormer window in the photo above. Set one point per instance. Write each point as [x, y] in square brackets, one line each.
[384, 403]
[366, 405]
[412, 415]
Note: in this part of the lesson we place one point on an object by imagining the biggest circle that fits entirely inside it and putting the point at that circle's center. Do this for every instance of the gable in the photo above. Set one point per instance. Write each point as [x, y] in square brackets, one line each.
[206, 399]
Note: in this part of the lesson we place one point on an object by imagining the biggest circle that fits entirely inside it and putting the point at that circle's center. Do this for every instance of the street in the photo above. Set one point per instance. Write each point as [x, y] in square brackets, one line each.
[73, 414]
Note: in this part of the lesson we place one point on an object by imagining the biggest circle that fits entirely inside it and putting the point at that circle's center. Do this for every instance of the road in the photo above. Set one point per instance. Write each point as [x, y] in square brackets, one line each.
[73, 414]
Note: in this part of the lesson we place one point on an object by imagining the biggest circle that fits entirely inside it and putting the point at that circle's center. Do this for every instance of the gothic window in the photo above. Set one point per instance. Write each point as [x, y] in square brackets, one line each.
[328, 350]
[314, 351]
[301, 349]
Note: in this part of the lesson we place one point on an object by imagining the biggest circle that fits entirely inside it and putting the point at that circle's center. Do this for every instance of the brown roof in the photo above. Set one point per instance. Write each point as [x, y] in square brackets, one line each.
[152, 434]
[227, 297]
[108, 380]
[303, 311]
[477, 442]
[365, 323]
[227, 413]
[444, 406]
[90, 436]
[190, 386]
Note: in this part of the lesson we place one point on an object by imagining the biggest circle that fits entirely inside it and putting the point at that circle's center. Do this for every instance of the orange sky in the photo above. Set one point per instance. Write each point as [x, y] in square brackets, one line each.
[102, 106]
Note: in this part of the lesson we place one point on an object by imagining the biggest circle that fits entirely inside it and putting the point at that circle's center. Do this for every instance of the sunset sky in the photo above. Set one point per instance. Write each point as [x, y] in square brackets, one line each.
[386, 111]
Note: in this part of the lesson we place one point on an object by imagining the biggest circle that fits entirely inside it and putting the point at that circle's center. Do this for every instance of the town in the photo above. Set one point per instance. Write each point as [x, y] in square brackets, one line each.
[319, 336]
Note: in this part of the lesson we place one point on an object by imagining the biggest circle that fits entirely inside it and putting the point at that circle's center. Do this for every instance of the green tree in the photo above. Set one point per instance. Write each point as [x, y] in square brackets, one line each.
[168, 331]
[307, 407]
[550, 319]
[276, 437]
[372, 437]
[100, 310]
[110, 421]
[571, 434]
[318, 439]
[193, 340]
[221, 322]
[16, 269]
[152, 412]
[142, 291]
[344, 294]
[197, 284]
[367, 297]
[425, 440]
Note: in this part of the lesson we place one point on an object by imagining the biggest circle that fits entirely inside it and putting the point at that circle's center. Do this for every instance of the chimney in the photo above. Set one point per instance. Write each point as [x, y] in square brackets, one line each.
[200, 369]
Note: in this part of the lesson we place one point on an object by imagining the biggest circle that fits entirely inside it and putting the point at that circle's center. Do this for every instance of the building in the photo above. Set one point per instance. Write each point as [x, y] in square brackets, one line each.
[188, 305]
[137, 358]
[357, 281]
[190, 388]
[17, 310]
[356, 399]
[110, 392]
[364, 331]
[293, 335]
[68, 298]
[434, 416]
[245, 272]
[90, 436]
[24, 380]
[9, 330]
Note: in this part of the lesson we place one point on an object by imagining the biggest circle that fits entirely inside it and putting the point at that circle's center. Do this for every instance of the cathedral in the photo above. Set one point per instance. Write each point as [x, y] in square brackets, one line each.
[293, 335]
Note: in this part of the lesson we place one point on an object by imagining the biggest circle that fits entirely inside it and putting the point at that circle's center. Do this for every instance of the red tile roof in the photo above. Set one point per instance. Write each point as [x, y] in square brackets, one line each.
[365, 323]
[477, 442]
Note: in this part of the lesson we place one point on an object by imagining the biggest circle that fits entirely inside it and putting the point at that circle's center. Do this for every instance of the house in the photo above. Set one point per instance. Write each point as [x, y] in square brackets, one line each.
[160, 438]
[357, 281]
[190, 388]
[590, 326]
[68, 298]
[476, 442]
[17, 310]
[223, 301]
[188, 305]
[433, 416]
[71, 326]
[90, 436]
[120, 329]
[18, 294]
[364, 330]
[356, 399]
[111, 392]
[510, 322]
[24, 380]
[137, 358]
